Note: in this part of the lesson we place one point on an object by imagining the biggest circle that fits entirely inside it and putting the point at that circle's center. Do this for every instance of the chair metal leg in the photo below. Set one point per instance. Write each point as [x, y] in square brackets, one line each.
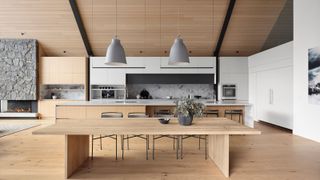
[181, 147]
[148, 139]
[174, 143]
[92, 147]
[199, 141]
[177, 152]
[206, 147]
[127, 142]
[100, 142]
[122, 147]
[116, 147]
[153, 147]
[147, 146]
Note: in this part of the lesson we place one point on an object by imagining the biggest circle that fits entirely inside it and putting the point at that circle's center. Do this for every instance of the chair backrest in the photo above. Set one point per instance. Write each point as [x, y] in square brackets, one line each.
[233, 111]
[137, 115]
[211, 111]
[106, 115]
[164, 113]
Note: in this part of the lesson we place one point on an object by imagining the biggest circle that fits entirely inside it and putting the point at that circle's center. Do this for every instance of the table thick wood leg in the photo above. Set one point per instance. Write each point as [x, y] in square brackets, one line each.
[219, 152]
[76, 152]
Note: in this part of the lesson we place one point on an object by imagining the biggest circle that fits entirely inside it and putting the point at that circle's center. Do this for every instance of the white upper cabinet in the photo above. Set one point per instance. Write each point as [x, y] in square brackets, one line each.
[195, 62]
[103, 74]
[132, 62]
[197, 65]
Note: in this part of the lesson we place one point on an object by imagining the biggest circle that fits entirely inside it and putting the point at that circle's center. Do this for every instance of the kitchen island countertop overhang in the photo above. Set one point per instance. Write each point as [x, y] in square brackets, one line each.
[151, 102]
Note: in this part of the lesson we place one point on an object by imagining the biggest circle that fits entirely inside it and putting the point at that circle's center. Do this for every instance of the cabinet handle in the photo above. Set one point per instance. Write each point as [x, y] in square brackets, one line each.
[270, 96]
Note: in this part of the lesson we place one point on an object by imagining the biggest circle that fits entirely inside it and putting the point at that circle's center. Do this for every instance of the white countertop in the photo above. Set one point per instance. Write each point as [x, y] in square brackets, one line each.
[151, 102]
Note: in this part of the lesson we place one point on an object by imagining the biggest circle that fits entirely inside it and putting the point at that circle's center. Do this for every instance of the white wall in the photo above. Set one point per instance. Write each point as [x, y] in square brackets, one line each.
[306, 35]
[271, 85]
[234, 70]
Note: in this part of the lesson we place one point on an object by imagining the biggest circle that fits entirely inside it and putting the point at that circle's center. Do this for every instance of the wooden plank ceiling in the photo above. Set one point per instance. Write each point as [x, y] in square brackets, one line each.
[141, 29]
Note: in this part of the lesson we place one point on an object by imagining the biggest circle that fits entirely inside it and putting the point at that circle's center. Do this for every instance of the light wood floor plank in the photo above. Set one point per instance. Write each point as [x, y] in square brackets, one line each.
[275, 154]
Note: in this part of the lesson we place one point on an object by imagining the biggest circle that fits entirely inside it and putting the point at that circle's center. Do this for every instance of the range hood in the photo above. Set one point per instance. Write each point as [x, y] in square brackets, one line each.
[170, 79]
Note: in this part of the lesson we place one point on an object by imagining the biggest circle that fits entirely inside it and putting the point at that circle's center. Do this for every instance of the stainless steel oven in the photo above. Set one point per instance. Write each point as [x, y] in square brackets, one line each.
[229, 91]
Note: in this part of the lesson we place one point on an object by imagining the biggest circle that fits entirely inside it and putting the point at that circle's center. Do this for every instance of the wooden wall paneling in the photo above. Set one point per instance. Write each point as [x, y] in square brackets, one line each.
[50, 22]
[99, 21]
[250, 25]
[53, 25]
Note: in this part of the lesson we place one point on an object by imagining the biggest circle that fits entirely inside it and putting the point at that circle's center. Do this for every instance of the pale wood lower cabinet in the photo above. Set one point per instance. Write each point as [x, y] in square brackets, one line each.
[71, 112]
[47, 108]
[94, 112]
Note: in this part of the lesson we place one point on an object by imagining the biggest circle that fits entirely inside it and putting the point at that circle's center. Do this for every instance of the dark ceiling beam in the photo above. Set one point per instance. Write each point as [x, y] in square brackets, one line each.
[224, 27]
[216, 52]
[75, 10]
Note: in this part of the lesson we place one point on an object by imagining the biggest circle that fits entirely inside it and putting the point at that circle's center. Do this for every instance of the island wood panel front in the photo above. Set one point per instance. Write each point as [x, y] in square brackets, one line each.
[77, 134]
[94, 111]
[70, 112]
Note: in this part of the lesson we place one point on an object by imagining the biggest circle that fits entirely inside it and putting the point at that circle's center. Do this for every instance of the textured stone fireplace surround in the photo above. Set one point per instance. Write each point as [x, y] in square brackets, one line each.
[18, 69]
[18, 77]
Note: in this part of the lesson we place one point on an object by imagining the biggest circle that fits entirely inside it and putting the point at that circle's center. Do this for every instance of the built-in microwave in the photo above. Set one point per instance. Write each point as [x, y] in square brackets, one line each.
[229, 91]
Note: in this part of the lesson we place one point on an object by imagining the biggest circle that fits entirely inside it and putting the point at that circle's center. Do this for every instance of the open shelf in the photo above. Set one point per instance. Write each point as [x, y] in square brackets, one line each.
[62, 91]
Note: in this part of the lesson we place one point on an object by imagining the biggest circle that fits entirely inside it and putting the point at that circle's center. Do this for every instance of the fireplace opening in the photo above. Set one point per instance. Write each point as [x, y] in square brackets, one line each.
[17, 106]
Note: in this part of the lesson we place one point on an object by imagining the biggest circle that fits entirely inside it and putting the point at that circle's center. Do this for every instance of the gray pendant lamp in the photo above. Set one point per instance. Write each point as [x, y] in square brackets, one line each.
[115, 53]
[178, 53]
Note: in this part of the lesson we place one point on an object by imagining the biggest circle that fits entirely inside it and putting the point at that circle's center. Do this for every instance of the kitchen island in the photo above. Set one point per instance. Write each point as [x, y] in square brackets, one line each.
[93, 109]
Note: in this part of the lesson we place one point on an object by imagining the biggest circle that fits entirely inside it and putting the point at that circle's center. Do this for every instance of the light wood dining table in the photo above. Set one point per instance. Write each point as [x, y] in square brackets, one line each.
[77, 132]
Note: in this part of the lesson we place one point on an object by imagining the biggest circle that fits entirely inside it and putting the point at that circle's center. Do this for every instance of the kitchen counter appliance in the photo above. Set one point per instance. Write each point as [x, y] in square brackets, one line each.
[229, 92]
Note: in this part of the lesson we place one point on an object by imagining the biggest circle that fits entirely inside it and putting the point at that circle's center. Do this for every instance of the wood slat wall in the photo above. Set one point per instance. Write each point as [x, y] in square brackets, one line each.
[52, 23]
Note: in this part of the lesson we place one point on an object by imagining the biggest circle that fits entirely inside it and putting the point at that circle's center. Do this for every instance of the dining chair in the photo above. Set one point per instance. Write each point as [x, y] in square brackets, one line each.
[165, 113]
[105, 116]
[141, 136]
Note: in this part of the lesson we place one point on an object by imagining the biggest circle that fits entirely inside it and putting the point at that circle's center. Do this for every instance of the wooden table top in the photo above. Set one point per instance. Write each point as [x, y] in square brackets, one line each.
[150, 126]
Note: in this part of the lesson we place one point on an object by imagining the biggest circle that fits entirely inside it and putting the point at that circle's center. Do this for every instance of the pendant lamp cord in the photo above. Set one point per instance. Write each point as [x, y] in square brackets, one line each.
[160, 25]
[212, 20]
[92, 16]
[116, 19]
[145, 24]
[179, 19]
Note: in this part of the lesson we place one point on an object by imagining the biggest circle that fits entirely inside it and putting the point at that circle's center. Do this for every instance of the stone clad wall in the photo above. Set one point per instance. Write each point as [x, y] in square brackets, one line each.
[18, 69]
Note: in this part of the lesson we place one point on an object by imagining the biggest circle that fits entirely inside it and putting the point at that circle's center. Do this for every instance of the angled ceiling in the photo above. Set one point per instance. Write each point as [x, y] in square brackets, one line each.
[145, 27]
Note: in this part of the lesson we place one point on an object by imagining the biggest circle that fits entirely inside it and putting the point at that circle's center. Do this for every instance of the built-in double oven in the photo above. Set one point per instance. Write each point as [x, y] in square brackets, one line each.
[229, 92]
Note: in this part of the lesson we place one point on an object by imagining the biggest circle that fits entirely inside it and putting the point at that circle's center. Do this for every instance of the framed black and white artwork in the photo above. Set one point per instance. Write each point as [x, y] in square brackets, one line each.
[314, 75]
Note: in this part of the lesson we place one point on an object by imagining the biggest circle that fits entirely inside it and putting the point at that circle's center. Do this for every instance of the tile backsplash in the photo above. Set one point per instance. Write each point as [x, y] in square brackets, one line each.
[160, 91]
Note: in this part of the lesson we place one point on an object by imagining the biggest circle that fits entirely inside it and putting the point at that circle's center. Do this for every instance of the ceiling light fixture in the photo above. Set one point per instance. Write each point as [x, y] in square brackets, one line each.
[178, 52]
[115, 53]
